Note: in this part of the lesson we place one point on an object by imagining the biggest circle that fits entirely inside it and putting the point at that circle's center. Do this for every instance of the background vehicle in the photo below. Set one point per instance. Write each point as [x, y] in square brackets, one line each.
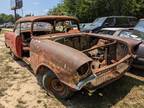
[82, 25]
[129, 33]
[9, 25]
[111, 21]
[65, 60]
[140, 26]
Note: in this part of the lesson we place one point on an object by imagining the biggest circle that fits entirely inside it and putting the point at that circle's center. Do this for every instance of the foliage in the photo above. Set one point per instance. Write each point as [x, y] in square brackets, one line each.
[4, 18]
[88, 10]
[59, 10]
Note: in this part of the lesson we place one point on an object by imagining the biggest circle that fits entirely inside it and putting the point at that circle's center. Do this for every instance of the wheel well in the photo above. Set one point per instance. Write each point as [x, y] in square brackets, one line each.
[43, 69]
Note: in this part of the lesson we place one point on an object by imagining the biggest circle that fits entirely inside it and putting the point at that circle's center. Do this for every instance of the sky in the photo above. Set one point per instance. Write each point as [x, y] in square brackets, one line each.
[36, 7]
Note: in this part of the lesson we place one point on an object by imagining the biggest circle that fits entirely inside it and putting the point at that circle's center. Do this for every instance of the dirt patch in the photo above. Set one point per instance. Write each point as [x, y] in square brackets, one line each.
[19, 89]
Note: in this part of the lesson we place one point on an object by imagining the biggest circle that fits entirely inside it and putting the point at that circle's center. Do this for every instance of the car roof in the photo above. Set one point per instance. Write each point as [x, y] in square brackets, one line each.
[120, 16]
[40, 18]
[116, 29]
[142, 19]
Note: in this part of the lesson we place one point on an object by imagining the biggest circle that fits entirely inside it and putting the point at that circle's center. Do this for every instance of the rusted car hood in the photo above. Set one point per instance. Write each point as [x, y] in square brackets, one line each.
[62, 55]
[69, 58]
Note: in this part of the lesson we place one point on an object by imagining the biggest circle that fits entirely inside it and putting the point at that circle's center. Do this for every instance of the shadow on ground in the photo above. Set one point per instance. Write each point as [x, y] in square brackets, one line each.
[137, 72]
[23, 64]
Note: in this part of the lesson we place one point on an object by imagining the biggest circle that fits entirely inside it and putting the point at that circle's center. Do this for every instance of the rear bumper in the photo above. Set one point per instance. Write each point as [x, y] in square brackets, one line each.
[138, 63]
[105, 75]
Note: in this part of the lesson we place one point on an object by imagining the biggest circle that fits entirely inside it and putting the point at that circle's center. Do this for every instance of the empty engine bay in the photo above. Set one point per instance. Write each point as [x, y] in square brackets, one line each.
[103, 51]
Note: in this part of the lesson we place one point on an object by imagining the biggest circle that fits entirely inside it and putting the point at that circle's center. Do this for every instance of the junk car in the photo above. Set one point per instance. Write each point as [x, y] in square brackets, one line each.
[65, 60]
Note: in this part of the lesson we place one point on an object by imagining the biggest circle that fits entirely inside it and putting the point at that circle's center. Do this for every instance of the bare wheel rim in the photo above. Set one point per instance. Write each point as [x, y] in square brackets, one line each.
[57, 86]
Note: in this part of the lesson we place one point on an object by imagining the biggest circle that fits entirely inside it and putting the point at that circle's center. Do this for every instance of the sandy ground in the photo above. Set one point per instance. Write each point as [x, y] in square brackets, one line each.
[19, 89]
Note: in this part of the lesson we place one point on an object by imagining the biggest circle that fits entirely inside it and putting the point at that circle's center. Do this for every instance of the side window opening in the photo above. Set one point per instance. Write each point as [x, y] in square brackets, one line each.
[63, 26]
[42, 28]
[26, 38]
[109, 22]
[122, 22]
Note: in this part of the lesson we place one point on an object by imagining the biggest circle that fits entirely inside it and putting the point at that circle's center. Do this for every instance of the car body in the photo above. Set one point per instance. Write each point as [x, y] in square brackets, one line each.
[65, 61]
[110, 21]
[82, 25]
[140, 26]
[129, 33]
[2, 26]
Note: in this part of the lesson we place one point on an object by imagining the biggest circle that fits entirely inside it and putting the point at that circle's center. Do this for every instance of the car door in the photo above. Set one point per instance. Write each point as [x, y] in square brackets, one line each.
[16, 41]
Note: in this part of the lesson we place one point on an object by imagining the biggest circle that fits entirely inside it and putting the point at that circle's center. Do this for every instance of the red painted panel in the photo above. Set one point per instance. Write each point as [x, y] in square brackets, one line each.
[18, 46]
[14, 42]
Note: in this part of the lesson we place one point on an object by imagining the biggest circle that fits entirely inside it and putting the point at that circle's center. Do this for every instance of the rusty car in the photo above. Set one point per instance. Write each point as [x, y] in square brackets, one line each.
[63, 59]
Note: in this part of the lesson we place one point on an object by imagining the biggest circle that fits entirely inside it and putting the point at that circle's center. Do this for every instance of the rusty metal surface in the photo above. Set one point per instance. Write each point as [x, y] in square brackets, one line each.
[61, 55]
[105, 74]
[65, 61]
[39, 18]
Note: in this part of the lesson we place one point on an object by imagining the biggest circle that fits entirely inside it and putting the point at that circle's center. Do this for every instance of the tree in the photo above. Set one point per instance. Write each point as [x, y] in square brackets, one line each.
[4, 18]
[59, 10]
[88, 10]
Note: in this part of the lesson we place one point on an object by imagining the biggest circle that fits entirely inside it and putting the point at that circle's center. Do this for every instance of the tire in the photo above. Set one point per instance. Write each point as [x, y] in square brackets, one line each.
[55, 87]
[39, 77]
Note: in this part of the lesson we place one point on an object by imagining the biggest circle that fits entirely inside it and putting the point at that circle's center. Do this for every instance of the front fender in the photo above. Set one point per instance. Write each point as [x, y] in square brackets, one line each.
[61, 59]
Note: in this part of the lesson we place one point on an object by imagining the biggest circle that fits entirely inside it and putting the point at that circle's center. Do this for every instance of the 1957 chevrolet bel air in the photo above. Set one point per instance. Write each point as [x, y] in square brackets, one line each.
[65, 60]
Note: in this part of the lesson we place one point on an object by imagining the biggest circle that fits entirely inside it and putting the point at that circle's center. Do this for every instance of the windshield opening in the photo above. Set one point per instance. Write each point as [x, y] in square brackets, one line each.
[97, 23]
[140, 26]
